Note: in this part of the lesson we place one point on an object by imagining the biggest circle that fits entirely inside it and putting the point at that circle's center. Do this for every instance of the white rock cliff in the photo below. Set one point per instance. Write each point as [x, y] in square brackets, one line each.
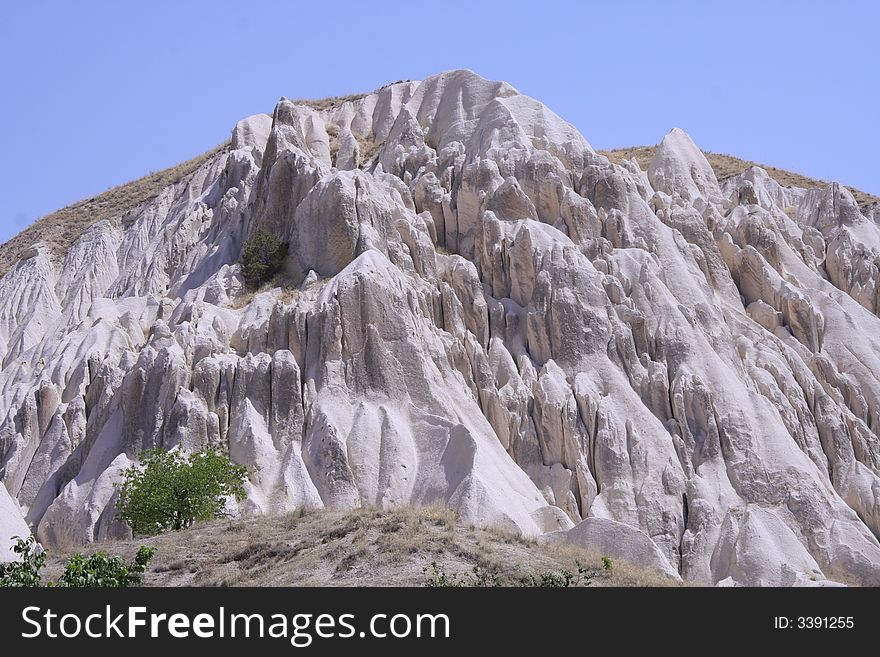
[485, 313]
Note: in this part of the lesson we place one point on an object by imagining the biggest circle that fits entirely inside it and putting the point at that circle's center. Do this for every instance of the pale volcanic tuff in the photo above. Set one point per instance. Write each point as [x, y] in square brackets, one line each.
[481, 311]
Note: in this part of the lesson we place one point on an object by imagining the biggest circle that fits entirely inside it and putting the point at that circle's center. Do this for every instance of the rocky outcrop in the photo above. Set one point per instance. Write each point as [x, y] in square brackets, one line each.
[12, 525]
[478, 310]
[617, 541]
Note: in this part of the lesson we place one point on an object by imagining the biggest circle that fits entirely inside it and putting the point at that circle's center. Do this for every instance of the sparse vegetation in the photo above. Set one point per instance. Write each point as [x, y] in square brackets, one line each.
[288, 293]
[564, 578]
[369, 147]
[170, 490]
[96, 570]
[333, 135]
[435, 576]
[726, 166]
[332, 102]
[60, 229]
[262, 258]
[326, 104]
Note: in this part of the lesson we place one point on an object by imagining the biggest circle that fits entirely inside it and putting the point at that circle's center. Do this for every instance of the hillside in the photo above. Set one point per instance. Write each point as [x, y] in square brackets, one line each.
[365, 547]
[60, 229]
[462, 305]
[727, 166]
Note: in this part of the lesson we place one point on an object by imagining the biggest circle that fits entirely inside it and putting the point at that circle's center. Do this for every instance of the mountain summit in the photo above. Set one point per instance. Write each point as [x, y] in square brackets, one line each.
[476, 310]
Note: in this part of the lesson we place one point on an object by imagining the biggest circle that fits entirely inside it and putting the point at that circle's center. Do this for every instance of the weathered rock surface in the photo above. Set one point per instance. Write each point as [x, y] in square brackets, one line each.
[12, 524]
[617, 541]
[485, 313]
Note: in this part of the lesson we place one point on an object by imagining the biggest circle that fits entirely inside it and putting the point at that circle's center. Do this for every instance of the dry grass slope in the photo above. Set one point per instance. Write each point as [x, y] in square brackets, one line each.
[331, 103]
[726, 166]
[326, 104]
[368, 146]
[365, 547]
[61, 228]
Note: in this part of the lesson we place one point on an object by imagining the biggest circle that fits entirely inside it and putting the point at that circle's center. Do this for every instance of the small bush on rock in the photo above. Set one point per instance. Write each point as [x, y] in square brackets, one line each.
[262, 258]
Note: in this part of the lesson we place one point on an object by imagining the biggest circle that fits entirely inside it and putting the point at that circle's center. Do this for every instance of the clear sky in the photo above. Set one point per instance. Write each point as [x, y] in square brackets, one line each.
[93, 94]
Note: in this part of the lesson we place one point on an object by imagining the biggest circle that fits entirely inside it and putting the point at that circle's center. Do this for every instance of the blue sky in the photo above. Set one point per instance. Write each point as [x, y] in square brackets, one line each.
[98, 93]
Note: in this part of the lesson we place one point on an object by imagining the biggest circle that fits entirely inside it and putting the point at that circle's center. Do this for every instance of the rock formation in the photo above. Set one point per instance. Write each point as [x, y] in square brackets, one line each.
[484, 313]
[11, 525]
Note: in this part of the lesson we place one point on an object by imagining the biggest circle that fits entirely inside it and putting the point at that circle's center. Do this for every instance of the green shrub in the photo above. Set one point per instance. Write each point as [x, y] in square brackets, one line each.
[24, 573]
[170, 490]
[437, 577]
[262, 258]
[104, 571]
[96, 570]
[553, 578]
[607, 564]
[563, 578]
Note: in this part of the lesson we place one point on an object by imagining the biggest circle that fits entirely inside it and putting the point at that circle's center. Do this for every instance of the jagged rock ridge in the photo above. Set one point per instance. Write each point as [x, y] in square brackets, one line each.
[487, 314]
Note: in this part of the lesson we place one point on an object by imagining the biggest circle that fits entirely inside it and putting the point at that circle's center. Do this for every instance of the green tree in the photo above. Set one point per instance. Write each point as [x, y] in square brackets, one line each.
[25, 572]
[170, 490]
[262, 258]
[101, 570]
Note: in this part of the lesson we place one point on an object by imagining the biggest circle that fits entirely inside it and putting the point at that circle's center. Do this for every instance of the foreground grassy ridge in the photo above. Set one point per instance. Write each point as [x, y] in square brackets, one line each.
[726, 166]
[60, 229]
[365, 547]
